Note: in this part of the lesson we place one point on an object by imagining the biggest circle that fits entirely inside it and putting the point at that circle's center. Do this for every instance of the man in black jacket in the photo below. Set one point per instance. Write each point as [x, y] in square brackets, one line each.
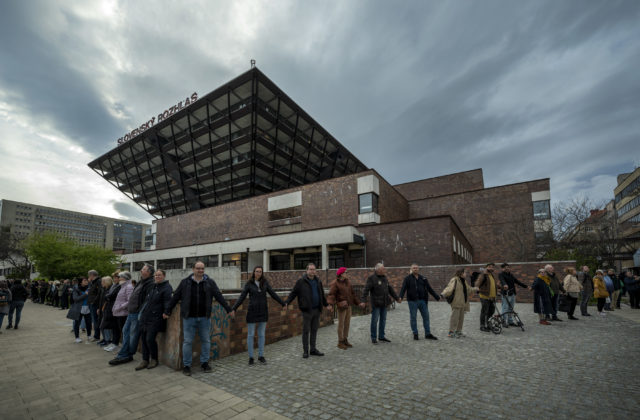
[19, 295]
[417, 288]
[380, 289]
[310, 294]
[94, 293]
[195, 294]
[556, 287]
[508, 282]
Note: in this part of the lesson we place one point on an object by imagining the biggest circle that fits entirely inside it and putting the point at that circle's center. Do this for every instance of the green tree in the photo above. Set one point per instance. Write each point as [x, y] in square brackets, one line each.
[57, 257]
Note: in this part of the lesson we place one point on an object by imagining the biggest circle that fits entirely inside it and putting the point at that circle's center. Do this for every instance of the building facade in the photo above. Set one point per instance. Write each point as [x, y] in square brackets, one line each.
[244, 177]
[627, 208]
[85, 229]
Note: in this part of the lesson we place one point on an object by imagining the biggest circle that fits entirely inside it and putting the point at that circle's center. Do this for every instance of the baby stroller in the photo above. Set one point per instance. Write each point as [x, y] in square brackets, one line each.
[496, 322]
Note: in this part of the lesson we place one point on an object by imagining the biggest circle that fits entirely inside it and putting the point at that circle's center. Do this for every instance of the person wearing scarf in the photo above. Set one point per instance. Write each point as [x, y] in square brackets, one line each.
[542, 297]
[461, 290]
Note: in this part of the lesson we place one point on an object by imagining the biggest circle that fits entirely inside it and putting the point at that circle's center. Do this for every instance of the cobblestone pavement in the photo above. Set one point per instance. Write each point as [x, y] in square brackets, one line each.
[44, 375]
[582, 369]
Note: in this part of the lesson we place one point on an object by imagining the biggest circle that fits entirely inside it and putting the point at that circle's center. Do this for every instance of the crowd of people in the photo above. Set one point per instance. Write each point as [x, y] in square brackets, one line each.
[117, 312]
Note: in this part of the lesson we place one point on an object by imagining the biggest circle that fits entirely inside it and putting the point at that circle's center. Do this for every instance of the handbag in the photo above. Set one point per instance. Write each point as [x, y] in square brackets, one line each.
[564, 304]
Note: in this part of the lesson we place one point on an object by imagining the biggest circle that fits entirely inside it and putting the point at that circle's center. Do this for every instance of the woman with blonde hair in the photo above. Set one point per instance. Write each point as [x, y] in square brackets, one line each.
[600, 291]
[457, 293]
[573, 288]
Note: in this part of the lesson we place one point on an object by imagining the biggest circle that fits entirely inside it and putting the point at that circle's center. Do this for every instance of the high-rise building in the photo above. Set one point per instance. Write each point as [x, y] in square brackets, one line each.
[85, 229]
[627, 206]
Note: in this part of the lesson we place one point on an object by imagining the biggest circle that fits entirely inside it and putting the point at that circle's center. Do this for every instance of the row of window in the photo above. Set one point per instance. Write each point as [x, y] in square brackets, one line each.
[22, 207]
[628, 190]
[629, 206]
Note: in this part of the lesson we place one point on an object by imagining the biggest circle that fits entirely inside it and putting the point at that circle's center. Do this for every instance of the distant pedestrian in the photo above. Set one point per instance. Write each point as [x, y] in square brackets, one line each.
[632, 284]
[152, 322]
[381, 293]
[585, 280]
[95, 287]
[341, 294]
[542, 297]
[461, 291]
[107, 333]
[600, 292]
[18, 297]
[487, 290]
[257, 289]
[573, 289]
[556, 288]
[508, 282]
[418, 290]
[35, 292]
[196, 294]
[616, 286]
[66, 293]
[80, 310]
[310, 294]
[5, 301]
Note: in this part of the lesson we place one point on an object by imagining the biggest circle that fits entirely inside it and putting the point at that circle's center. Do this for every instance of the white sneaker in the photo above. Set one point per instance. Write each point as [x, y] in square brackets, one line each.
[109, 347]
[78, 340]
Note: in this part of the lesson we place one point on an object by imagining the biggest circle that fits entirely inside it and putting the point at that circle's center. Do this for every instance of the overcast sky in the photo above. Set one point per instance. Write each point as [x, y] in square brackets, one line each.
[522, 89]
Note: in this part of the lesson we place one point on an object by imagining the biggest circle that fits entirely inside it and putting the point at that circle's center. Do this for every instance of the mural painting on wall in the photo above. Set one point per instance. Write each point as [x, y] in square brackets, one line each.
[219, 332]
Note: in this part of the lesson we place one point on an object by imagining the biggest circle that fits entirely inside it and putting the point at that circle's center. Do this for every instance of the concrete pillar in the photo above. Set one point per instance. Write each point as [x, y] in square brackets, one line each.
[184, 263]
[265, 260]
[219, 260]
[325, 257]
[131, 267]
[155, 264]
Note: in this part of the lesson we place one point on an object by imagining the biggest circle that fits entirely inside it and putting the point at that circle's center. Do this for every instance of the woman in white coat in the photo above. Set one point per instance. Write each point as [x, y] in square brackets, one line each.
[457, 293]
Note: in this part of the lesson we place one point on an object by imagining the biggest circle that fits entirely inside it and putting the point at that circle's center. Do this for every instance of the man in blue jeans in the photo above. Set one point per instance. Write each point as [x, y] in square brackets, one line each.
[130, 332]
[196, 294]
[417, 288]
[380, 289]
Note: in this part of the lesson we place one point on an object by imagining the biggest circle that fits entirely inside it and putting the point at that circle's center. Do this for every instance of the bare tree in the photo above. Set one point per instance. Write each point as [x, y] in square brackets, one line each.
[12, 252]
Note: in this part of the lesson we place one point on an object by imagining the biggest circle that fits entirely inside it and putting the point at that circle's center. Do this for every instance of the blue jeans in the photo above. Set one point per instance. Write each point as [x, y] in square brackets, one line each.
[130, 337]
[251, 329]
[378, 313]
[414, 307]
[506, 300]
[17, 306]
[189, 327]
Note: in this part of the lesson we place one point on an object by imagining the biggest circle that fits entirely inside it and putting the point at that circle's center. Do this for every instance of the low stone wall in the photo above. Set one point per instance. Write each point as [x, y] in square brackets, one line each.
[438, 275]
[230, 336]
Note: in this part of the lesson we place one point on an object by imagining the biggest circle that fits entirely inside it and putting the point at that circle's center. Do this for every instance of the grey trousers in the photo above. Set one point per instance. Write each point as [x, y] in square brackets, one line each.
[310, 322]
[586, 295]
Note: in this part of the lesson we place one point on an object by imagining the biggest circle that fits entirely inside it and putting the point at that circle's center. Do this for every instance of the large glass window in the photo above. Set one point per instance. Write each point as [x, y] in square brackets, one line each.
[209, 261]
[238, 260]
[170, 264]
[541, 210]
[280, 261]
[368, 203]
[300, 261]
[336, 259]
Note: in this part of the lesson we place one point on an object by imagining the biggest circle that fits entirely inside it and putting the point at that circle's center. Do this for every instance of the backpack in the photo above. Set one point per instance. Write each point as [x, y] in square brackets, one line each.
[4, 297]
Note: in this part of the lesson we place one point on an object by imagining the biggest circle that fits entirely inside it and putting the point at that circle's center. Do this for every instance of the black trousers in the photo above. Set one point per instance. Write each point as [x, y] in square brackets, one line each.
[149, 344]
[487, 310]
[554, 305]
[601, 302]
[310, 323]
[573, 301]
[634, 298]
[87, 322]
[117, 332]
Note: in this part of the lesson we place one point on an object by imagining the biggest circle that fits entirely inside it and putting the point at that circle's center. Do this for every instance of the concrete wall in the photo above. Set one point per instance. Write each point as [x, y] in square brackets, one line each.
[230, 336]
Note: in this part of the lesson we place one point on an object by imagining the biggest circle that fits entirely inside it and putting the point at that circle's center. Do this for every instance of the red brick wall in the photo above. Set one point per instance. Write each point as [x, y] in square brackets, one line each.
[325, 204]
[438, 275]
[497, 221]
[446, 184]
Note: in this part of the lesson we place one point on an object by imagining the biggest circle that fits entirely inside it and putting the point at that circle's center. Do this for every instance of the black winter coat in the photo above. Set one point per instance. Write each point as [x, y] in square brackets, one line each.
[302, 291]
[380, 290]
[258, 310]
[541, 297]
[155, 304]
[183, 295]
[19, 292]
[411, 284]
[78, 297]
[108, 320]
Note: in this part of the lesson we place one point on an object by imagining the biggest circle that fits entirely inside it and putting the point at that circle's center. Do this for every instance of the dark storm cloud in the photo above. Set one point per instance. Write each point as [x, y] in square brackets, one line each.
[37, 78]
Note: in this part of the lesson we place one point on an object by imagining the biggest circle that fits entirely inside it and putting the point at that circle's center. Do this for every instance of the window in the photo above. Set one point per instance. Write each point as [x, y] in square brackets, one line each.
[209, 261]
[287, 213]
[239, 260]
[368, 203]
[279, 262]
[541, 210]
[300, 261]
[336, 259]
[170, 264]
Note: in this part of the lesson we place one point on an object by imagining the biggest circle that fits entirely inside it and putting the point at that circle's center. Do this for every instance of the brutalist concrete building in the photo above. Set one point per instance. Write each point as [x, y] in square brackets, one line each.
[243, 176]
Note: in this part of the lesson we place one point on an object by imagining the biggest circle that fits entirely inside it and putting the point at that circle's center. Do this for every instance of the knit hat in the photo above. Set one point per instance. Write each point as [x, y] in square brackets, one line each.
[341, 271]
